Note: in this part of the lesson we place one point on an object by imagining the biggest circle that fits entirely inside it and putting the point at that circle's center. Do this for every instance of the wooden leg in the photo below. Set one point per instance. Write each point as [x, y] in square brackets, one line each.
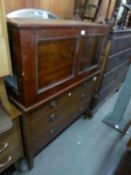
[27, 141]
[88, 114]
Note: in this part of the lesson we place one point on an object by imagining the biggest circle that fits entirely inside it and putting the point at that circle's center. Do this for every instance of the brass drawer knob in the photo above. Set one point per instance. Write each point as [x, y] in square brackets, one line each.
[5, 163]
[4, 147]
[52, 104]
[94, 78]
[69, 94]
[52, 131]
[83, 32]
[52, 117]
[83, 95]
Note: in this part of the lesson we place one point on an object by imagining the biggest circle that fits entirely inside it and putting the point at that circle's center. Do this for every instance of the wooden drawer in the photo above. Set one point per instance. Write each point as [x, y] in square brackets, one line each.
[10, 146]
[8, 157]
[122, 71]
[50, 133]
[120, 43]
[104, 93]
[62, 106]
[67, 108]
[118, 59]
[54, 111]
[109, 78]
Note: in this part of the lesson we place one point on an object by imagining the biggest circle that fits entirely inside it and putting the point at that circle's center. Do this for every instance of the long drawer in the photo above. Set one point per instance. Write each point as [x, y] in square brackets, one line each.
[10, 146]
[50, 133]
[53, 117]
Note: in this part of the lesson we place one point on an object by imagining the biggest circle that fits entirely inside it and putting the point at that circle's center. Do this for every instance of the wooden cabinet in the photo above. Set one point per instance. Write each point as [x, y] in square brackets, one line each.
[117, 65]
[11, 149]
[55, 64]
[57, 54]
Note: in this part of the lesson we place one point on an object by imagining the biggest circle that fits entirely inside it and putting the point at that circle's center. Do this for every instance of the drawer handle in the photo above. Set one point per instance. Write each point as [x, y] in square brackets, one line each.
[69, 94]
[83, 32]
[83, 95]
[4, 164]
[4, 147]
[52, 104]
[94, 78]
[52, 117]
[52, 131]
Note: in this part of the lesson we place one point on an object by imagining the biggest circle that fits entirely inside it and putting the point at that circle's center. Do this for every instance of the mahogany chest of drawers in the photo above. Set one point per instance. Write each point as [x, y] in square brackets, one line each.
[55, 64]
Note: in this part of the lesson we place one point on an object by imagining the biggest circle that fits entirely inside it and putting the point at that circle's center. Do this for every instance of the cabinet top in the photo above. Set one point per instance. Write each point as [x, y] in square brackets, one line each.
[29, 23]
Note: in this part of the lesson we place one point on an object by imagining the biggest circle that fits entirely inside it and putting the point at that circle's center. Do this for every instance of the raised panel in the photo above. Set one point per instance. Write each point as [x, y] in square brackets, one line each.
[90, 52]
[56, 59]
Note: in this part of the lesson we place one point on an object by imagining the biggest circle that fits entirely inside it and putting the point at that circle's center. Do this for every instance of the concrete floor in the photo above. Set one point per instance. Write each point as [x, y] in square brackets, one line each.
[87, 147]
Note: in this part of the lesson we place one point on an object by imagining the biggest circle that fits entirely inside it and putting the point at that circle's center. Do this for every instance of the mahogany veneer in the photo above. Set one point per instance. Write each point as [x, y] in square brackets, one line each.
[56, 64]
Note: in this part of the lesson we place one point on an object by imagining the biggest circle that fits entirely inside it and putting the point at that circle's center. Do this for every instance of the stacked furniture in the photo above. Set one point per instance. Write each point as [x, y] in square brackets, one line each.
[56, 65]
[116, 66]
[10, 136]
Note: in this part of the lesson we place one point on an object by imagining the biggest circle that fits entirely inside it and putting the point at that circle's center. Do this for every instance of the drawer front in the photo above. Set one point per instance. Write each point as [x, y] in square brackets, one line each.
[120, 43]
[118, 59]
[108, 91]
[48, 122]
[59, 108]
[8, 157]
[10, 146]
[50, 133]
[110, 78]
[54, 111]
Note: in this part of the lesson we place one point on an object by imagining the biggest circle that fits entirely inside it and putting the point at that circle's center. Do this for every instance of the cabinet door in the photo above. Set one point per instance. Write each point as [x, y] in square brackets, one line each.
[91, 47]
[56, 59]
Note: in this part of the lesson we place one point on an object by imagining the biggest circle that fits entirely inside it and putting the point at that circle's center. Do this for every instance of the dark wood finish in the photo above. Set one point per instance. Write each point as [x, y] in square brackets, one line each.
[116, 66]
[54, 85]
[60, 53]
[62, 40]
[11, 149]
[53, 117]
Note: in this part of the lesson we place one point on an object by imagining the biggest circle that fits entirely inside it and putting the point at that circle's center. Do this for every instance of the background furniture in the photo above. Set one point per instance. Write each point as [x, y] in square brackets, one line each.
[11, 149]
[99, 11]
[115, 67]
[10, 137]
[56, 64]
[116, 118]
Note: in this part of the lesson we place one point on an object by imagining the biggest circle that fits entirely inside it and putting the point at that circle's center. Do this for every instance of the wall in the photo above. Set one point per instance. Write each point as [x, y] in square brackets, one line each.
[62, 8]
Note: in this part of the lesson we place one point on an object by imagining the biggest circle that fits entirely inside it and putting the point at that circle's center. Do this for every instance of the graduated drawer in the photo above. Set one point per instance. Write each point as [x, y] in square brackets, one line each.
[9, 156]
[46, 136]
[120, 42]
[65, 104]
[10, 146]
[45, 117]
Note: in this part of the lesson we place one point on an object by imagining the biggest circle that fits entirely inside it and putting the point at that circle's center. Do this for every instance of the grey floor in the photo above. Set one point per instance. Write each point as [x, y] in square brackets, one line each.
[87, 147]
